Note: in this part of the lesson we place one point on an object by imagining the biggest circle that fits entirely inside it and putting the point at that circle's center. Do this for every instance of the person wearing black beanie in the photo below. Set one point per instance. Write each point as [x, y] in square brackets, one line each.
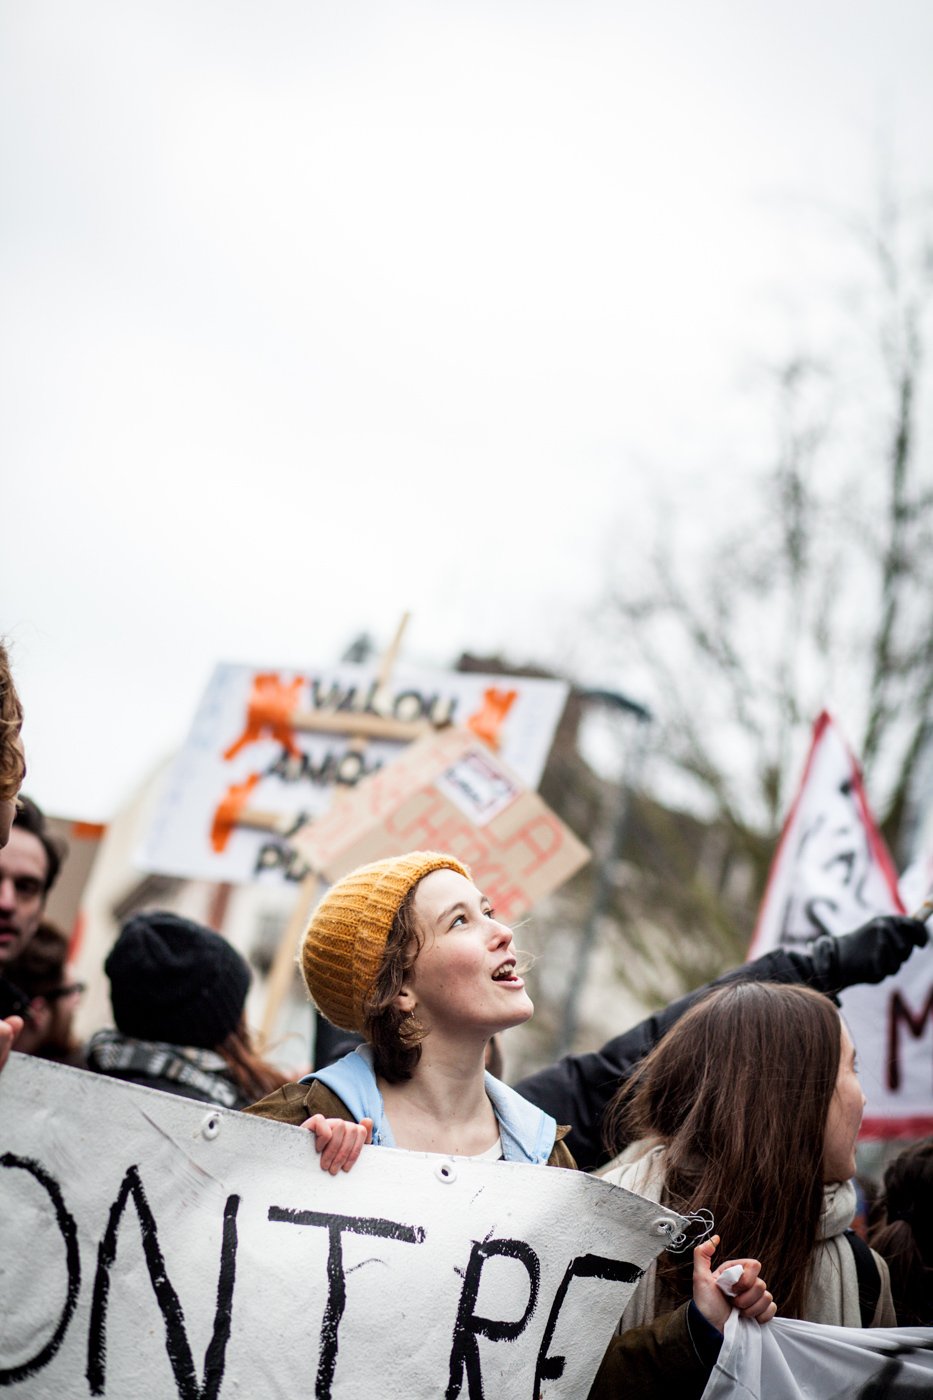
[172, 979]
[178, 992]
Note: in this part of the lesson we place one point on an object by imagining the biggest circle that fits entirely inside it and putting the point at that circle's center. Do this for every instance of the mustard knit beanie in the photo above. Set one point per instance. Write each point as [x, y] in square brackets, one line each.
[344, 944]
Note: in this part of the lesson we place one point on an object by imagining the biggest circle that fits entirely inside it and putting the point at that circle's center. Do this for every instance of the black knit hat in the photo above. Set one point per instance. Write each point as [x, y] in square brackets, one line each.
[174, 980]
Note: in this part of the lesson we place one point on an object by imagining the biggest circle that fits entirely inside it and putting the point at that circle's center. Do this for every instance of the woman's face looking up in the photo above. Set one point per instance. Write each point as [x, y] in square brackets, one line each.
[464, 978]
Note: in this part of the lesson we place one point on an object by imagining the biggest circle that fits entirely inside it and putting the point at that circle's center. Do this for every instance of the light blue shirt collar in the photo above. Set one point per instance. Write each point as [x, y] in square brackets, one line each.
[528, 1133]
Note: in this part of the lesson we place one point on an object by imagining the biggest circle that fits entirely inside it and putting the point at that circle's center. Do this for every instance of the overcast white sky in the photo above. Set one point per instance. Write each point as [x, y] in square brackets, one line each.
[314, 312]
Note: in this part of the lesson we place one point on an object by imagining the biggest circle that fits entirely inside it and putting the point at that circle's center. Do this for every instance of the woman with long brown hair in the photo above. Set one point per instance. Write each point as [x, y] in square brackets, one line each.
[748, 1110]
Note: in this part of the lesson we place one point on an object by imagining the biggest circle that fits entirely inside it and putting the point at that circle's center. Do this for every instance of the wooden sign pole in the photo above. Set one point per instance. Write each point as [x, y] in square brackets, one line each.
[283, 964]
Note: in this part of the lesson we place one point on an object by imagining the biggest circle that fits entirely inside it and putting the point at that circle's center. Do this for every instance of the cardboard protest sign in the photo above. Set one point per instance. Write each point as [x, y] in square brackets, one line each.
[449, 792]
[154, 1246]
[831, 873]
[269, 749]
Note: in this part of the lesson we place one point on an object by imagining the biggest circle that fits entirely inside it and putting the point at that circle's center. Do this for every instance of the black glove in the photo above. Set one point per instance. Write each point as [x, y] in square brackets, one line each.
[870, 954]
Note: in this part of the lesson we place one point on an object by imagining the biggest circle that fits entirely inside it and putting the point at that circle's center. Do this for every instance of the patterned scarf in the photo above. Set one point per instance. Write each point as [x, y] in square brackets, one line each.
[204, 1074]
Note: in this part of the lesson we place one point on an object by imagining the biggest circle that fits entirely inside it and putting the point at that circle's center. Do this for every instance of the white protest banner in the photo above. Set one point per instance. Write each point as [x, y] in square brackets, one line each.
[154, 1246]
[916, 882]
[831, 873]
[449, 792]
[269, 749]
[788, 1360]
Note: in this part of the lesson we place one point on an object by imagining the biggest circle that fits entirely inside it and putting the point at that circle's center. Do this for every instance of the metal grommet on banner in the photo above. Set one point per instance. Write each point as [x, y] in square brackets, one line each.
[210, 1126]
[700, 1225]
[446, 1171]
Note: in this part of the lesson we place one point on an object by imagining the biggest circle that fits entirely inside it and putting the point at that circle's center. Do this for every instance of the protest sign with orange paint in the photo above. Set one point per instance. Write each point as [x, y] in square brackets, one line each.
[269, 749]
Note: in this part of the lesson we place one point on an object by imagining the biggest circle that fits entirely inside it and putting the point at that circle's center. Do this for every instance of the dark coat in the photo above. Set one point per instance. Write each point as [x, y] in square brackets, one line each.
[579, 1088]
[13, 1000]
[671, 1357]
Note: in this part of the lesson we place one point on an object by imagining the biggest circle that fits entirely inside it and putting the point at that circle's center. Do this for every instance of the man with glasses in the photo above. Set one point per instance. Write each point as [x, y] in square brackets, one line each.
[42, 973]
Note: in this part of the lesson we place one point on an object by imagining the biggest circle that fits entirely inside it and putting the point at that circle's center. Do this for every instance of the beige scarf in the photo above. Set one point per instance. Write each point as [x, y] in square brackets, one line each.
[833, 1296]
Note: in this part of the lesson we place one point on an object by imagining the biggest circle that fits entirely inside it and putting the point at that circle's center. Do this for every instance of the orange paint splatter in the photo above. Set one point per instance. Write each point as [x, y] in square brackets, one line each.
[229, 809]
[269, 713]
[488, 720]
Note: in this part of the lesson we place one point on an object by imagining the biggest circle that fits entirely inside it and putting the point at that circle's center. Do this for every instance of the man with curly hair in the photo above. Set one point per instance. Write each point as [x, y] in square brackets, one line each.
[12, 762]
[30, 857]
[12, 772]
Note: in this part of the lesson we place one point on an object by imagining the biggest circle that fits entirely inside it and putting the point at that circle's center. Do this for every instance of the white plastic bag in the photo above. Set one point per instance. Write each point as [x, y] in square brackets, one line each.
[785, 1360]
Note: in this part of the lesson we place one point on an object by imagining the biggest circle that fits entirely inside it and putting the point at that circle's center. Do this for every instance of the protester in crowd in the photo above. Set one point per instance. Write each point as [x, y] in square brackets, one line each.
[178, 992]
[12, 759]
[29, 866]
[749, 1109]
[12, 773]
[42, 973]
[904, 1233]
[579, 1088]
[408, 952]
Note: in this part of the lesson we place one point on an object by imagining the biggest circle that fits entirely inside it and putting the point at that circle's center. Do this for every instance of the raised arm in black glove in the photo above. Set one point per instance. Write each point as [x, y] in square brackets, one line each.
[870, 954]
[577, 1090]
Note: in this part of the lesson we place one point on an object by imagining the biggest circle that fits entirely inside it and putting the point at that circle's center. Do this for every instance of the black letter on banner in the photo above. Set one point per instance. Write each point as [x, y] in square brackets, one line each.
[270, 856]
[884, 1384]
[900, 1013]
[10, 1375]
[335, 1225]
[464, 1352]
[549, 1368]
[817, 922]
[176, 1337]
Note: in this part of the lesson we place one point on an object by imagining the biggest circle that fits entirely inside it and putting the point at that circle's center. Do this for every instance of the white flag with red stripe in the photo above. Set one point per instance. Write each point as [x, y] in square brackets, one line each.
[831, 873]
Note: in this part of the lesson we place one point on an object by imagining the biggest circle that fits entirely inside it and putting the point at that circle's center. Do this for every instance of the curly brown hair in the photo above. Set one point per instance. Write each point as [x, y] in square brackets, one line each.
[395, 1035]
[12, 761]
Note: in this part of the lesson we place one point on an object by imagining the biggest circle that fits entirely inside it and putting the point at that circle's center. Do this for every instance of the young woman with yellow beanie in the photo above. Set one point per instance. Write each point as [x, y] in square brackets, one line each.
[409, 952]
